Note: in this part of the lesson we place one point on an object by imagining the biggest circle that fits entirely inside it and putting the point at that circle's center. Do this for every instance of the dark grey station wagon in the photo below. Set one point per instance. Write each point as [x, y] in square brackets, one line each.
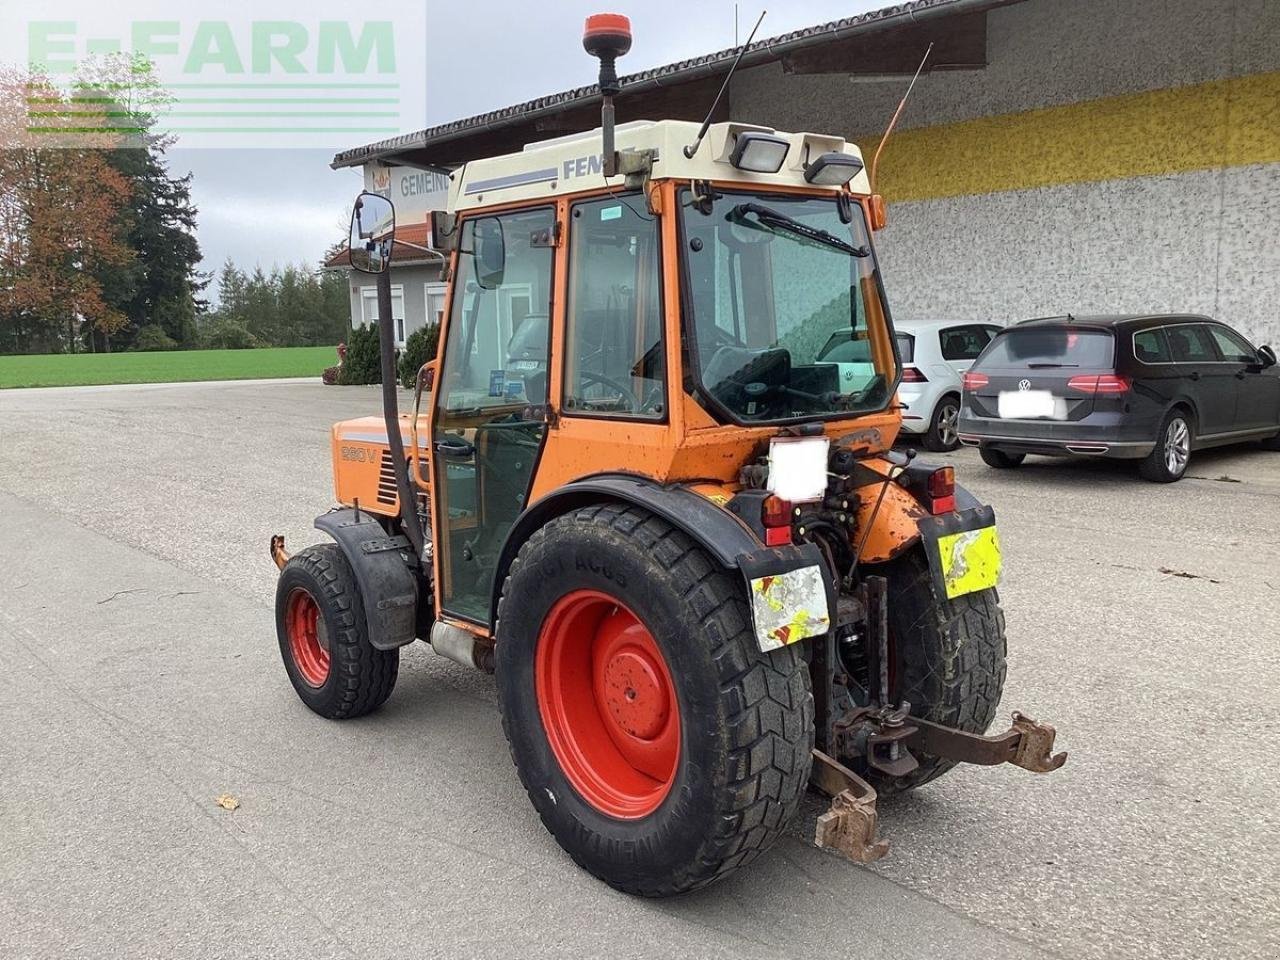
[1148, 388]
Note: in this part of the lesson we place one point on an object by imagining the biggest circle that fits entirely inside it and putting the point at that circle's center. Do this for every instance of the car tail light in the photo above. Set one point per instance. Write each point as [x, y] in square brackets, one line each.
[775, 514]
[912, 375]
[1107, 383]
[973, 381]
[942, 491]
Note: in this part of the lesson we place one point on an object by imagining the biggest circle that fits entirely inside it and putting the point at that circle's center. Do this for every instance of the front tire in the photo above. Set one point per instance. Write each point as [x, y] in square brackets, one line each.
[660, 746]
[324, 637]
[947, 659]
[943, 434]
[1167, 463]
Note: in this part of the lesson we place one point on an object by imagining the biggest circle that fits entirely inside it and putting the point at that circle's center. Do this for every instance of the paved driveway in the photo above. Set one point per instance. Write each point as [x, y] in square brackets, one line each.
[141, 680]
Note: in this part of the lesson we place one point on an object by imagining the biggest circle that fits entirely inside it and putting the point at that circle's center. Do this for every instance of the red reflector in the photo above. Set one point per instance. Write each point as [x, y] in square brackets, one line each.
[775, 514]
[912, 375]
[1104, 383]
[777, 536]
[943, 505]
[972, 381]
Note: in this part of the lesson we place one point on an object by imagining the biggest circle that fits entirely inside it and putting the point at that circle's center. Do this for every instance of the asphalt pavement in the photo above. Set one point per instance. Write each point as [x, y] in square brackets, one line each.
[142, 681]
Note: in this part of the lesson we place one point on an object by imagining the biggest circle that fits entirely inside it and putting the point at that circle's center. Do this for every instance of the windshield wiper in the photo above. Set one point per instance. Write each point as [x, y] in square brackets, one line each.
[780, 221]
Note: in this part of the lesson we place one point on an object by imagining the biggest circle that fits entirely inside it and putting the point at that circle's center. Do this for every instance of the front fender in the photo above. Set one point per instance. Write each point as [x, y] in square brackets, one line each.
[383, 569]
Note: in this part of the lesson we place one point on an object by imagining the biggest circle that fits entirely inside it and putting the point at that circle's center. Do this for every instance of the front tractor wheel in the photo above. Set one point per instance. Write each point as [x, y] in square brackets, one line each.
[946, 658]
[324, 637]
[660, 746]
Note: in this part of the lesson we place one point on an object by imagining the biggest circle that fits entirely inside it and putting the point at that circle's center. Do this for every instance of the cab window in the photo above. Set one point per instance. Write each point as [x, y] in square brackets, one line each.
[614, 364]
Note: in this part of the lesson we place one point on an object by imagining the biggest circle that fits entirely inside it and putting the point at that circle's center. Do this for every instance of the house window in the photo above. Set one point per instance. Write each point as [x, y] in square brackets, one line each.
[369, 309]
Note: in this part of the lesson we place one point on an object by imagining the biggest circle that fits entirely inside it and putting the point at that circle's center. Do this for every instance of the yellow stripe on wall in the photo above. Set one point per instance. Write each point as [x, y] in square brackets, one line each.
[1222, 123]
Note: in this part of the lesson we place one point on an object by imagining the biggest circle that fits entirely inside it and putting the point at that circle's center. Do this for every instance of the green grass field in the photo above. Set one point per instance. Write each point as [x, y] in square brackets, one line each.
[164, 367]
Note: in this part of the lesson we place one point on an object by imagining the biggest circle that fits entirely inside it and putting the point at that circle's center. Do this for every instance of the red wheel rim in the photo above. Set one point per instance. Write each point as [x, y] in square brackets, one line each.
[308, 638]
[607, 704]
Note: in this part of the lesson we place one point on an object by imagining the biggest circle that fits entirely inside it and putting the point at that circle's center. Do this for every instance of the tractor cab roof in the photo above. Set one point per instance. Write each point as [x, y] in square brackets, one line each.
[573, 164]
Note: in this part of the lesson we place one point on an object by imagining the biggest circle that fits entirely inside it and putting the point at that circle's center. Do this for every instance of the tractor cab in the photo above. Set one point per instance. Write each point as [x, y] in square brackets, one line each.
[648, 481]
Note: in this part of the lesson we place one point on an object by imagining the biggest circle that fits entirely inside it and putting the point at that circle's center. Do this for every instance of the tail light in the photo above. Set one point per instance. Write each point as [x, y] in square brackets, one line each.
[974, 381]
[912, 375]
[1107, 383]
[775, 515]
[942, 491]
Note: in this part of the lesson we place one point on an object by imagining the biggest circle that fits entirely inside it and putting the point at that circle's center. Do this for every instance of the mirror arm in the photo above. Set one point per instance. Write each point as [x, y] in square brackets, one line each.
[391, 413]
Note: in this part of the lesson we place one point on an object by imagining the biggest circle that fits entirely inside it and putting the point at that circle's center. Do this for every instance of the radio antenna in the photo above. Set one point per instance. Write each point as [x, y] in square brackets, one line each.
[875, 161]
[692, 148]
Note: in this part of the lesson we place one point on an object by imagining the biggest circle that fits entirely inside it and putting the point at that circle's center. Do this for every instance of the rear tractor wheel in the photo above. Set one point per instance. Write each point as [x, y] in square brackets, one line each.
[324, 637]
[660, 746]
[947, 659]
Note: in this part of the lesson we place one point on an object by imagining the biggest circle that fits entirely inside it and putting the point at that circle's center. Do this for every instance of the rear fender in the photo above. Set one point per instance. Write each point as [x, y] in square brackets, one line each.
[896, 525]
[797, 573]
[383, 567]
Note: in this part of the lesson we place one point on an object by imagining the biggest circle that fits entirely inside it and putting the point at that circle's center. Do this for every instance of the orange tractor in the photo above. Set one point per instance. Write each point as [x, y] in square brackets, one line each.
[648, 482]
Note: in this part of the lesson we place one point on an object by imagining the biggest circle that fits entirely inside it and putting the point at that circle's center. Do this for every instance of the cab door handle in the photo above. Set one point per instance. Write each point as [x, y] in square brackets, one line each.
[1195, 374]
[1240, 374]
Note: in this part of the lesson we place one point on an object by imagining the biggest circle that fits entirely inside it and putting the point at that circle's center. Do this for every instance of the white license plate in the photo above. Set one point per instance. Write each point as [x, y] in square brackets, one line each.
[798, 468]
[1030, 404]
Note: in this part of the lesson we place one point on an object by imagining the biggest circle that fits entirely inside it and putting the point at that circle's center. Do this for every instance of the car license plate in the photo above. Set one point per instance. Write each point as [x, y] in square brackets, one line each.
[1030, 404]
[970, 561]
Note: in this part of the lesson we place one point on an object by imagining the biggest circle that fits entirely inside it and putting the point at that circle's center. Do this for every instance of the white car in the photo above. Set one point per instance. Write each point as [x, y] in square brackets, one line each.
[934, 357]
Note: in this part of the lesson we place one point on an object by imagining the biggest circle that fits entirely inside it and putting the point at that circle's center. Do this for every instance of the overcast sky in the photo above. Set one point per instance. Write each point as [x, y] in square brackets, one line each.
[274, 206]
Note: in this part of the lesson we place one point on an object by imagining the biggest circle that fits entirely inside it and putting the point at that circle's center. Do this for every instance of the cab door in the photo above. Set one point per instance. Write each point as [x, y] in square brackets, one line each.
[491, 412]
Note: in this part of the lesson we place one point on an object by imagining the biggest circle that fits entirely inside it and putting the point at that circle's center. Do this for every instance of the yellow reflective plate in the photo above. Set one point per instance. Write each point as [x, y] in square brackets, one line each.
[970, 561]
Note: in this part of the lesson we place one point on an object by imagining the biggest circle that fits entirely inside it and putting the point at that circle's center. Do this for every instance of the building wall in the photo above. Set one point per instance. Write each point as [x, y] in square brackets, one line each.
[413, 280]
[1114, 156]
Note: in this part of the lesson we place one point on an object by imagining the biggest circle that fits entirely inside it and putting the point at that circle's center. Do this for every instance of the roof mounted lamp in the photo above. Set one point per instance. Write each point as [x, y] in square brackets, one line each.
[832, 170]
[607, 36]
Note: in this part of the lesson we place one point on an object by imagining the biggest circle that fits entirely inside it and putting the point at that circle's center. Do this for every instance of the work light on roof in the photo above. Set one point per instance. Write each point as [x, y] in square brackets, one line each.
[759, 152]
[833, 170]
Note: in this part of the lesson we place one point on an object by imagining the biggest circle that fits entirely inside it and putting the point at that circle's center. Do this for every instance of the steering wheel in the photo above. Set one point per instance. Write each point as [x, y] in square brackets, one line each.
[625, 392]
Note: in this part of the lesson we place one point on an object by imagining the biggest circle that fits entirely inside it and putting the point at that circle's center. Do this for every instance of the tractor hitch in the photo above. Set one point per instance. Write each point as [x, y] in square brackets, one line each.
[849, 827]
[1027, 744]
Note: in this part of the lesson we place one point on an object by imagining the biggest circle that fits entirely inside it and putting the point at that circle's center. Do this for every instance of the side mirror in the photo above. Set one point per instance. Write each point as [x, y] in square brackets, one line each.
[490, 249]
[443, 230]
[1267, 357]
[373, 229]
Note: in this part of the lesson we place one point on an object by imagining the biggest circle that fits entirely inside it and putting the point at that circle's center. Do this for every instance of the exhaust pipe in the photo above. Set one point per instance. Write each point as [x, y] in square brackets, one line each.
[454, 643]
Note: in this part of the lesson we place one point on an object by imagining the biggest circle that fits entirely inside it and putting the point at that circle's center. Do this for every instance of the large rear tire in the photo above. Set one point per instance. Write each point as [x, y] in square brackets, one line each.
[947, 659]
[660, 746]
[324, 637]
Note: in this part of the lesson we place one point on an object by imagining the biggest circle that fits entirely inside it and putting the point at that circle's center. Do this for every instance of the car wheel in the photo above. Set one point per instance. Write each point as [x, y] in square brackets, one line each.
[1001, 460]
[1168, 461]
[944, 432]
[1271, 443]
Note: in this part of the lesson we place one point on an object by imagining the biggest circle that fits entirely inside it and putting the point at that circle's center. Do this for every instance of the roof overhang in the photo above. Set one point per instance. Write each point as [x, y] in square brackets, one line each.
[888, 41]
